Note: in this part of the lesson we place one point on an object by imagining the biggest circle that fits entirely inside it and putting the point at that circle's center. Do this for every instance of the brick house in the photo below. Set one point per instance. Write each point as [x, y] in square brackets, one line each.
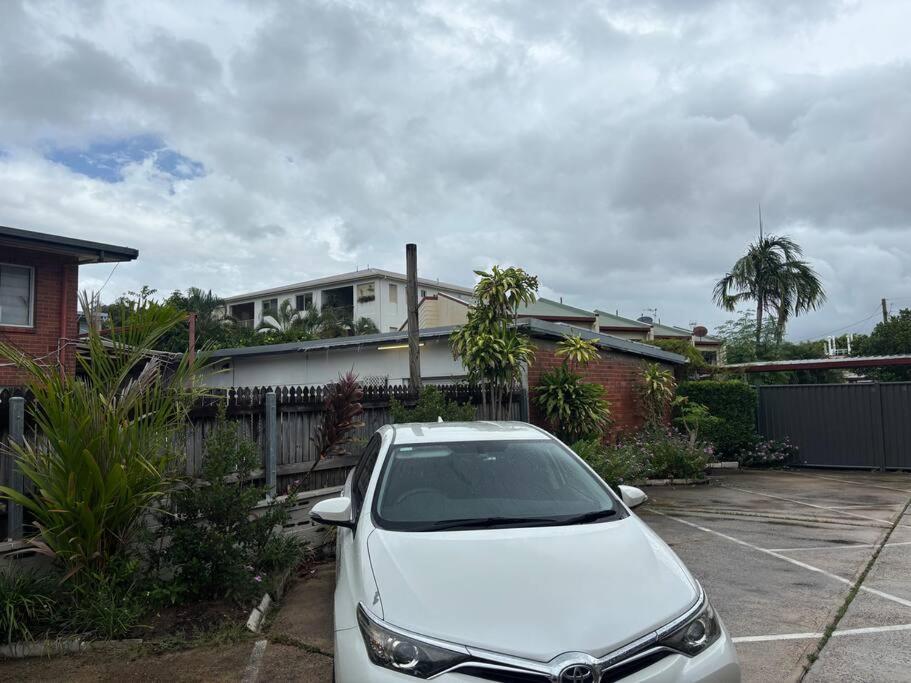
[39, 281]
[618, 369]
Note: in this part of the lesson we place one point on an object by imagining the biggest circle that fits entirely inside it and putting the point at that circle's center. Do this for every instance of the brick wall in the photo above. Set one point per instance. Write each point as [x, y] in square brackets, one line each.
[56, 282]
[619, 373]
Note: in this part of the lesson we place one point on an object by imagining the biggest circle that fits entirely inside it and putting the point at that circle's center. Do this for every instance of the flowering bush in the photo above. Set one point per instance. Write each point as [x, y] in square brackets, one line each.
[769, 453]
[674, 457]
[651, 454]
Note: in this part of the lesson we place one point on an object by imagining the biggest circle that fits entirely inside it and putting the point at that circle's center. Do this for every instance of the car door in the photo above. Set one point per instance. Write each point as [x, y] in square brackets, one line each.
[349, 587]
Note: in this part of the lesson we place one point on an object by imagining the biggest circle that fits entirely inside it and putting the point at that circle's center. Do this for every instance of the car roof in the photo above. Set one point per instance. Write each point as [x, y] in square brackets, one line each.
[439, 432]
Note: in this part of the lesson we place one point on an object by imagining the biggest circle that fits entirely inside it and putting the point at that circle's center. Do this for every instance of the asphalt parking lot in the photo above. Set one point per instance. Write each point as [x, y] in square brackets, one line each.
[780, 554]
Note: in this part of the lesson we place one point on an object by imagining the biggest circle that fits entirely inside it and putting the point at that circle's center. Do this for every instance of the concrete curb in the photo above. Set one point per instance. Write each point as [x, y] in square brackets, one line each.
[675, 482]
[258, 613]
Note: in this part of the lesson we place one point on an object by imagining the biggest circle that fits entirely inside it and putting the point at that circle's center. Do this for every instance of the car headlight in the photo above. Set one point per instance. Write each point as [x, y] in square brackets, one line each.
[696, 634]
[404, 653]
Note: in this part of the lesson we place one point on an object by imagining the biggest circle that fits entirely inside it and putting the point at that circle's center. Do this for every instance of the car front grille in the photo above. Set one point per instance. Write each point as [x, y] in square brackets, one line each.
[509, 675]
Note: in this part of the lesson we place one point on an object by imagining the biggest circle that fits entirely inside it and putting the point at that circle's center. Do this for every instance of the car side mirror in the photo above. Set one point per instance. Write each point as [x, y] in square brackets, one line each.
[333, 511]
[632, 496]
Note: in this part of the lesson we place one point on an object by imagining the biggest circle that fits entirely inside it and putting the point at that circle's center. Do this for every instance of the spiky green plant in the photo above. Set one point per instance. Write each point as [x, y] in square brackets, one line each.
[106, 440]
[656, 393]
[490, 347]
[575, 408]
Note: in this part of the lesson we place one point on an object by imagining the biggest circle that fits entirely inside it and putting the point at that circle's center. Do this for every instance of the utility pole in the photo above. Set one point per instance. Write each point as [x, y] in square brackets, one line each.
[191, 347]
[411, 292]
[885, 311]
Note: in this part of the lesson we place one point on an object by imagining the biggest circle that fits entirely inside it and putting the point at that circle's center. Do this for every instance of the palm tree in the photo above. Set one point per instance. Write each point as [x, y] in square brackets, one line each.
[772, 275]
[281, 321]
[363, 326]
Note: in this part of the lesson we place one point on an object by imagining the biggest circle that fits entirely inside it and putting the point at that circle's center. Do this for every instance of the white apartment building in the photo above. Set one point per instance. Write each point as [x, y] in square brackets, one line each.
[371, 293]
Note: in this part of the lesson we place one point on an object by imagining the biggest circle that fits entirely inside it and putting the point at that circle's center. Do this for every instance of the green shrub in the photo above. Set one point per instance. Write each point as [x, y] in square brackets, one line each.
[733, 402]
[621, 464]
[651, 454]
[107, 604]
[672, 456]
[26, 601]
[215, 546]
[575, 409]
[432, 404]
[107, 438]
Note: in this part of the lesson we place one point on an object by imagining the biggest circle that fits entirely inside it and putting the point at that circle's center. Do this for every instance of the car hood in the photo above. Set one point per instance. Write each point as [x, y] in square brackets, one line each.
[531, 592]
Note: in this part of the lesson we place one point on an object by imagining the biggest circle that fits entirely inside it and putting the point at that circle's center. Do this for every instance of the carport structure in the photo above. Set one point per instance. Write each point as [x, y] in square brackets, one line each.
[808, 569]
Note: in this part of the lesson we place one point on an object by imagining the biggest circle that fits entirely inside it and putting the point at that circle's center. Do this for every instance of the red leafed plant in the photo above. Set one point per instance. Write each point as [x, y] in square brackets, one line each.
[341, 411]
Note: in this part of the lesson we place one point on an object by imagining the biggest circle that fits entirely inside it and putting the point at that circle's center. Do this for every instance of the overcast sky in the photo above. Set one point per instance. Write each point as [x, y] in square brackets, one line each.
[618, 150]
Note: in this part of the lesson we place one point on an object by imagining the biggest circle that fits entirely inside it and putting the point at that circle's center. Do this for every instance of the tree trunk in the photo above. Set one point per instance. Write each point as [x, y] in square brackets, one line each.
[760, 306]
[779, 326]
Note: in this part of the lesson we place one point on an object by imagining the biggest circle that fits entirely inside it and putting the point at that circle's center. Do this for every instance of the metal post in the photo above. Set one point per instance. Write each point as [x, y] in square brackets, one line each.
[411, 292]
[16, 435]
[270, 442]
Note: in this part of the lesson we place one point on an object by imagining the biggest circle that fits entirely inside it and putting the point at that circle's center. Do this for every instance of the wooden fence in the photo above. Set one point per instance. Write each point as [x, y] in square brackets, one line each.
[281, 421]
[298, 410]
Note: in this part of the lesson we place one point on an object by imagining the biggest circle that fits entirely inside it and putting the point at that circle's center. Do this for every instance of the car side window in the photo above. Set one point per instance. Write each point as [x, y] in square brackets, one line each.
[365, 469]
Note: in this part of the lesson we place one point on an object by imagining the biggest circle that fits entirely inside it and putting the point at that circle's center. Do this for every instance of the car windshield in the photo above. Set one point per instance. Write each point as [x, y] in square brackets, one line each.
[484, 484]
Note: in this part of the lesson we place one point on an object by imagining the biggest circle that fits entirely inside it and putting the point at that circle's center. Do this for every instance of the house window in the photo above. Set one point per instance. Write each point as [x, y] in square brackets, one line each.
[304, 302]
[16, 295]
[393, 294]
[423, 293]
[270, 306]
[366, 293]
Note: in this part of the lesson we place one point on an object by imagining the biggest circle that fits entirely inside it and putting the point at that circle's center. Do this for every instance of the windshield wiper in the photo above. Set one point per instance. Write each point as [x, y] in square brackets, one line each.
[487, 523]
[588, 517]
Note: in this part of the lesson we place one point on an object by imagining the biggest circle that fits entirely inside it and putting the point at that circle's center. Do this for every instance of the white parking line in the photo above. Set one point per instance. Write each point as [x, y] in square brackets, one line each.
[837, 547]
[846, 481]
[798, 563]
[251, 673]
[813, 636]
[812, 505]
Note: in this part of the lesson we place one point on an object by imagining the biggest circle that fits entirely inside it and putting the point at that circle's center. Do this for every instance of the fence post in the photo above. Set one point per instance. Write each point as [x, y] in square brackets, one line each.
[16, 435]
[882, 426]
[270, 442]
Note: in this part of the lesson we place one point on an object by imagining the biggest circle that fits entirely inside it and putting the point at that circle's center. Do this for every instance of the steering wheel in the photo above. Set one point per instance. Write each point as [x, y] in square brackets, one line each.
[413, 492]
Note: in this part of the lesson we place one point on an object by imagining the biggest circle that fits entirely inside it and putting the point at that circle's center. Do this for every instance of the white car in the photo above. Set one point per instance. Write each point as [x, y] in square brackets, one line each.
[489, 551]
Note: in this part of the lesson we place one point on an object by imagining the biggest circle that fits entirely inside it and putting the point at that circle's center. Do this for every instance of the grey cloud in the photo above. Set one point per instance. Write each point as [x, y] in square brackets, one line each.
[622, 162]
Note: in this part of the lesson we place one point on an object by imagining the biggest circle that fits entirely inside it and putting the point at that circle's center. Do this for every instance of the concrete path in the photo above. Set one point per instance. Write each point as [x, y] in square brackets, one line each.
[780, 554]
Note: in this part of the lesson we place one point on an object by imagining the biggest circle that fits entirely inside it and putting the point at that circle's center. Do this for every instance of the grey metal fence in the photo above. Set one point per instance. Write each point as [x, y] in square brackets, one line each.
[841, 425]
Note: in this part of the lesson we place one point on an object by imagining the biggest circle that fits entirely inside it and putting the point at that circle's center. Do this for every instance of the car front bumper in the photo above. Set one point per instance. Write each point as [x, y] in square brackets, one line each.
[718, 664]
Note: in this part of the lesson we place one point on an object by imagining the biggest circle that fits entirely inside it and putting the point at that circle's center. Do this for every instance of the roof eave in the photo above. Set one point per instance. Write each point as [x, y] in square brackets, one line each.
[84, 251]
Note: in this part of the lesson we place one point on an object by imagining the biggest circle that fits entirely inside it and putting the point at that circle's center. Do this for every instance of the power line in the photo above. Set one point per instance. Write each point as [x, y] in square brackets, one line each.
[826, 334]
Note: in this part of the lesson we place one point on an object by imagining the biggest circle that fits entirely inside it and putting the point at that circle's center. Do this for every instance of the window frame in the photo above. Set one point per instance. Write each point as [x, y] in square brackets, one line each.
[393, 290]
[358, 498]
[300, 301]
[31, 297]
[263, 310]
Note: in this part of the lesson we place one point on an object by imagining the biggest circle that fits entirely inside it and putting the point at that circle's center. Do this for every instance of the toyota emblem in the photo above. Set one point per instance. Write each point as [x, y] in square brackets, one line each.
[577, 673]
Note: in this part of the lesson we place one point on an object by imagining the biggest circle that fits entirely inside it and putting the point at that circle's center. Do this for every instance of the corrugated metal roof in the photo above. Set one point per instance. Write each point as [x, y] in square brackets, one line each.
[535, 328]
[821, 363]
[554, 309]
[334, 343]
[542, 328]
[614, 320]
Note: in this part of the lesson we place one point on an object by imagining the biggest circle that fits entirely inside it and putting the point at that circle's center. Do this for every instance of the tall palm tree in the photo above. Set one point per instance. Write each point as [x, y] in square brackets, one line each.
[772, 275]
